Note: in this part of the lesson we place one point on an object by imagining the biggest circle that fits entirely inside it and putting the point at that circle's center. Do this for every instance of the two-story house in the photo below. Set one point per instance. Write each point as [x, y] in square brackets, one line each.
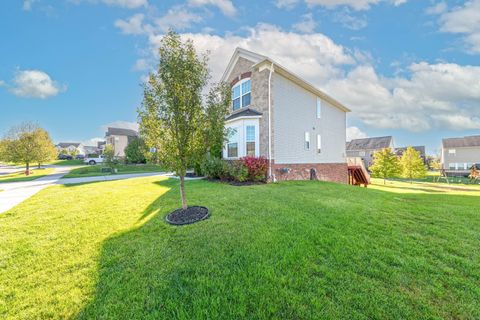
[366, 147]
[460, 154]
[119, 139]
[276, 114]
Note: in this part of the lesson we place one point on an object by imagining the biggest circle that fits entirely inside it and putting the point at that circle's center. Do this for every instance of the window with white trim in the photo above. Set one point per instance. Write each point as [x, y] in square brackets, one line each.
[250, 141]
[241, 94]
[319, 108]
[452, 151]
[307, 140]
[319, 143]
[232, 146]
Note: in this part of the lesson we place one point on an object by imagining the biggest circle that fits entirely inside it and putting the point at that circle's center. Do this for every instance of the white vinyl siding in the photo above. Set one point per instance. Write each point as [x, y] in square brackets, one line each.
[294, 114]
[319, 108]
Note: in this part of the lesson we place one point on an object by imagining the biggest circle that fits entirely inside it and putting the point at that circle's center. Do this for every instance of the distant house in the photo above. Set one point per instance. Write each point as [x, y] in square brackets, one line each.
[119, 138]
[91, 150]
[101, 145]
[365, 148]
[459, 154]
[419, 149]
[70, 147]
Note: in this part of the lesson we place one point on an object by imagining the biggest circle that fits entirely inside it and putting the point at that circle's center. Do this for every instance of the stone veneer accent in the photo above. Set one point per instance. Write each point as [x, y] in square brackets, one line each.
[259, 98]
[333, 172]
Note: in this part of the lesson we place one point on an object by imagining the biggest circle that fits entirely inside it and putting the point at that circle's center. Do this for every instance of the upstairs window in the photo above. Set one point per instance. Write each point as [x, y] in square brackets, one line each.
[319, 108]
[452, 151]
[241, 94]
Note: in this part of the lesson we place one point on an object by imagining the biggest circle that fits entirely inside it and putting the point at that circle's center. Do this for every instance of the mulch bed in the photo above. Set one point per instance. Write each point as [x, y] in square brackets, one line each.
[190, 215]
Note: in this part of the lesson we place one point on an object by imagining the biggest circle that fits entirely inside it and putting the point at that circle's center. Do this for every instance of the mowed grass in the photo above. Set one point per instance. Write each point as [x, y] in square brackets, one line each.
[73, 162]
[20, 175]
[96, 170]
[292, 250]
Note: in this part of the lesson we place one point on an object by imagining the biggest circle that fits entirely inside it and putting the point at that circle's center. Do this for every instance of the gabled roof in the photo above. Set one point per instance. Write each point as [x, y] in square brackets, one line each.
[369, 143]
[244, 112]
[68, 144]
[400, 151]
[261, 61]
[465, 142]
[121, 132]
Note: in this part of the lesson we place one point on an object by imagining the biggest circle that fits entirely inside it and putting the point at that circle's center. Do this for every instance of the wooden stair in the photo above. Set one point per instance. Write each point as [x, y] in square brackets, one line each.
[357, 174]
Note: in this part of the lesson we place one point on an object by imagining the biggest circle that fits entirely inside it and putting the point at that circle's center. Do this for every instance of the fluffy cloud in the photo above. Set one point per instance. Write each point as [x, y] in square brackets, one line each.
[177, 18]
[133, 25]
[464, 20]
[355, 133]
[354, 4]
[27, 4]
[226, 6]
[93, 141]
[131, 4]
[307, 25]
[349, 21]
[34, 84]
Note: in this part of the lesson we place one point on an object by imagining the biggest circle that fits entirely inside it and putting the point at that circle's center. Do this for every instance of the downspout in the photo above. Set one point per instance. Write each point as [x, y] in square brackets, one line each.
[270, 124]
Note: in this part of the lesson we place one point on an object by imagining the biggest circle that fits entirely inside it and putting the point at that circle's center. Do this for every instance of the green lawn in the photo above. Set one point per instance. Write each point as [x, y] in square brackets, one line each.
[73, 162]
[20, 175]
[293, 250]
[96, 170]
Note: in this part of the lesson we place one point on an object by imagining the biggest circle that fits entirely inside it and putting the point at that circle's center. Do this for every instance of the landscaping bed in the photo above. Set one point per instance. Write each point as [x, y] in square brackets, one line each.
[187, 216]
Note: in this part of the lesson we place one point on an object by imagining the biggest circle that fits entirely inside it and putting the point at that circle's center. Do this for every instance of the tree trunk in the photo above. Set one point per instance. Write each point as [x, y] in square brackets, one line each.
[182, 191]
[384, 181]
[39, 165]
[27, 169]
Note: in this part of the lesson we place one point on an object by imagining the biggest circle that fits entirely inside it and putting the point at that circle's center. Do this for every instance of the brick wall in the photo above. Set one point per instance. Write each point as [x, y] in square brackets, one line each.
[333, 172]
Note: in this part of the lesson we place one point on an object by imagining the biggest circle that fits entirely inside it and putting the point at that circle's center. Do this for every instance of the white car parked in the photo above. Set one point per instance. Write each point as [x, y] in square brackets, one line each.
[94, 161]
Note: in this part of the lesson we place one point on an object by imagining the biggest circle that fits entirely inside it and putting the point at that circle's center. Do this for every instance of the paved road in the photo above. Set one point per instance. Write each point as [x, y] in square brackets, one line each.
[16, 192]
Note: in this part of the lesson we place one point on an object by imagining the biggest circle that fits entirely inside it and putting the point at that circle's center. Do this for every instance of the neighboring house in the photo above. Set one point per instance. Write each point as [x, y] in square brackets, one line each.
[459, 154]
[419, 149]
[119, 138]
[90, 150]
[70, 147]
[278, 115]
[101, 145]
[365, 148]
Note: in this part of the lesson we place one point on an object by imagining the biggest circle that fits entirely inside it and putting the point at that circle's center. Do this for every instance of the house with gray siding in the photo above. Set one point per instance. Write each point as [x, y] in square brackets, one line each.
[460, 154]
[119, 138]
[276, 114]
[366, 147]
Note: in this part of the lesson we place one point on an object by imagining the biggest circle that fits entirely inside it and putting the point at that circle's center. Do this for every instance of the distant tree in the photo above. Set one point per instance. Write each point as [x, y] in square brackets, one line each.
[135, 151]
[45, 150]
[216, 110]
[433, 163]
[23, 144]
[385, 164]
[109, 156]
[412, 164]
[171, 116]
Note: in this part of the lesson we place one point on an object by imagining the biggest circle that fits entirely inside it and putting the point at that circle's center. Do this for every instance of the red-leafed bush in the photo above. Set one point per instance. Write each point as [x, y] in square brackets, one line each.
[257, 167]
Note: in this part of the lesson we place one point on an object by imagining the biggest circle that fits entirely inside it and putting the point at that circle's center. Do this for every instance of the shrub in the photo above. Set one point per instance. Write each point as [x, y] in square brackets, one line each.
[238, 171]
[214, 168]
[257, 167]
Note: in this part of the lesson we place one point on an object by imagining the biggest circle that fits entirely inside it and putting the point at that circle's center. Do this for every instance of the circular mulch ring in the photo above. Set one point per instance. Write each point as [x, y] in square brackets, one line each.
[187, 216]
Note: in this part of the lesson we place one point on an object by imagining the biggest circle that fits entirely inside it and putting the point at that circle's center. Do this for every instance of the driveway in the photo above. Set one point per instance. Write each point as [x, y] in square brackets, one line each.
[16, 192]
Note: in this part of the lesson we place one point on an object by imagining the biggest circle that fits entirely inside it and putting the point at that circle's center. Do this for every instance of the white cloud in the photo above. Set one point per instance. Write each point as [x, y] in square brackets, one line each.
[131, 4]
[133, 25]
[141, 65]
[27, 4]
[355, 133]
[177, 18]
[354, 4]
[438, 8]
[464, 20]
[349, 21]
[93, 141]
[121, 124]
[34, 84]
[307, 25]
[226, 6]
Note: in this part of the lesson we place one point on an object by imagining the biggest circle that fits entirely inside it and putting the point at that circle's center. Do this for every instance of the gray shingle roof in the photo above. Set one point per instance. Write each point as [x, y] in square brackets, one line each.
[369, 143]
[68, 144]
[421, 149]
[121, 132]
[247, 112]
[471, 141]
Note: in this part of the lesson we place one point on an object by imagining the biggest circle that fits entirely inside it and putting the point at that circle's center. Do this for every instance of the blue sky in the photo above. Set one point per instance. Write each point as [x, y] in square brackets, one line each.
[406, 68]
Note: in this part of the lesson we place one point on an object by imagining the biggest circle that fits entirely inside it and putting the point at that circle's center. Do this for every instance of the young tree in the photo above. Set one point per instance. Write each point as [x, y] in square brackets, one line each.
[45, 150]
[412, 164]
[135, 151]
[171, 114]
[20, 145]
[110, 160]
[216, 110]
[385, 164]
